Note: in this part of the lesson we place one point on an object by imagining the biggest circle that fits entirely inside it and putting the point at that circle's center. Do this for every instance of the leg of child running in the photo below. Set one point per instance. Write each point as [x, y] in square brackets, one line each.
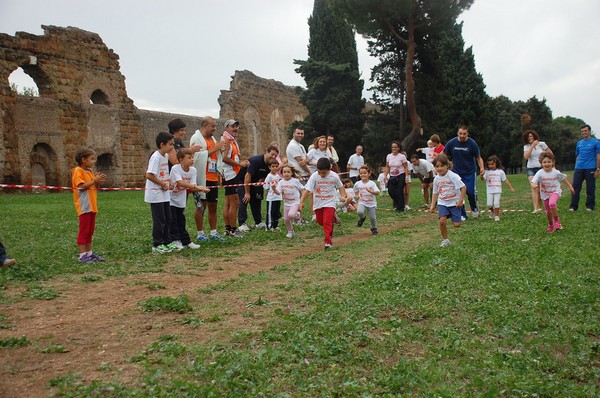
[443, 227]
[287, 218]
[548, 211]
[327, 222]
[361, 211]
[372, 217]
[552, 204]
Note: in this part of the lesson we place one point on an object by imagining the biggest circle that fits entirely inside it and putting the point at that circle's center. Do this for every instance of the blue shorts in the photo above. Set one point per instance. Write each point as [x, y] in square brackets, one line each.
[453, 211]
[531, 171]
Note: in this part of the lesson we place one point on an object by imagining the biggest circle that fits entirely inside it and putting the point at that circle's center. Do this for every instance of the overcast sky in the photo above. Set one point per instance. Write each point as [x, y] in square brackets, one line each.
[178, 55]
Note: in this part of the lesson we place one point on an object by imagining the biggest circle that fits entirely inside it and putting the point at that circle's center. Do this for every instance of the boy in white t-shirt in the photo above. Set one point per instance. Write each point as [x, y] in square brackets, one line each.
[366, 190]
[449, 194]
[273, 198]
[158, 184]
[183, 174]
[322, 185]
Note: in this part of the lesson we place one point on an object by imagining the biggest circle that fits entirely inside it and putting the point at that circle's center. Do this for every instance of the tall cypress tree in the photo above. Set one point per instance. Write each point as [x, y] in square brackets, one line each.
[334, 89]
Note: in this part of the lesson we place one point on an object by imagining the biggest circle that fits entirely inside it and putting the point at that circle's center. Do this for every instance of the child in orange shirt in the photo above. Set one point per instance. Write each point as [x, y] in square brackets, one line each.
[84, 184]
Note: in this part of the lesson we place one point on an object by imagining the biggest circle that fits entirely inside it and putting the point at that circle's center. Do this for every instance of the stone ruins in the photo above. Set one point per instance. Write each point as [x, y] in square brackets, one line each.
[83, 102]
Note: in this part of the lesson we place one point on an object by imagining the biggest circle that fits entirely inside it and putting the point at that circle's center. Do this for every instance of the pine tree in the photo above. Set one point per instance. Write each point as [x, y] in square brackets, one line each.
[334, 89]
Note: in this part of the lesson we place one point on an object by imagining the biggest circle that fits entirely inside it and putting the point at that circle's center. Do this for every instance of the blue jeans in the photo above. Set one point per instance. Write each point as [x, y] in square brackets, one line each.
[579, 175]
[470, 181]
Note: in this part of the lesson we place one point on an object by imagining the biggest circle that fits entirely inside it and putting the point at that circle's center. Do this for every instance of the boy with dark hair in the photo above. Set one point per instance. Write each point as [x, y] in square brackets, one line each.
[158, 184]
[84, 184]
[322, 185]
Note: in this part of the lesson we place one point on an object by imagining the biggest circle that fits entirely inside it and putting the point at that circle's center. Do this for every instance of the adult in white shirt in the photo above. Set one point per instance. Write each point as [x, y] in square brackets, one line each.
[531, 152]
[425, 172]
[318, 152]
[396, 168]
[355, 162]
[332, 153]
[296, 154]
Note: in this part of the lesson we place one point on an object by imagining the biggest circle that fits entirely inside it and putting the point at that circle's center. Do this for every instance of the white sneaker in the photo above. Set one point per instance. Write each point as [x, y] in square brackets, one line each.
[463, 218]
[491, 214]
[445, 243]
[290, 234]
[496, 218]
[193, 246]
[244, 228]
[406, 207]
[178, 244]
[261, 225]
[314, 217]
[475, 213]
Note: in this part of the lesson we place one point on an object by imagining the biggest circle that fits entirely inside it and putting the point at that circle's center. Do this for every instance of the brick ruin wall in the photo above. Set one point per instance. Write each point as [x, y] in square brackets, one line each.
[83, 102]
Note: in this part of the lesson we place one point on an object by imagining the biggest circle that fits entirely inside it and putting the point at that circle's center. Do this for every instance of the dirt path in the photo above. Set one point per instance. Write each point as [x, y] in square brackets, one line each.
[101, 323]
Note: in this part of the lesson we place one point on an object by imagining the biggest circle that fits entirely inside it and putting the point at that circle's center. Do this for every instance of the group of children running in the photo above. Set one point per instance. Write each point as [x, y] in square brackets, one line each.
[166, 192]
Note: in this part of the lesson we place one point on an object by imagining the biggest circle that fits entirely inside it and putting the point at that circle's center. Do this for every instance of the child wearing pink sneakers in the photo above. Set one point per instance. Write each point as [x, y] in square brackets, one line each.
[548, 179]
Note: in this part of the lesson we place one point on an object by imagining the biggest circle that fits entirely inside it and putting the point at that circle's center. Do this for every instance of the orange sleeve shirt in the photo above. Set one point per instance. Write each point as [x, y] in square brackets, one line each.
[85, 199]
[211, 165]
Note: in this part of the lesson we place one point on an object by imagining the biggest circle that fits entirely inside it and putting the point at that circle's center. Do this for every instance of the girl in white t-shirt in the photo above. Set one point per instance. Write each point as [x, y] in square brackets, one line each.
[532, 150]
[273, 198]
[290, 189]
[366, 190]
[494, 176]
[449, 194]
[548, 181]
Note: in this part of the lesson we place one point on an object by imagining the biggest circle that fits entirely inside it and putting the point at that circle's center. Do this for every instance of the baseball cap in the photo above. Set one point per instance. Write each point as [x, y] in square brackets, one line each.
[231, 122]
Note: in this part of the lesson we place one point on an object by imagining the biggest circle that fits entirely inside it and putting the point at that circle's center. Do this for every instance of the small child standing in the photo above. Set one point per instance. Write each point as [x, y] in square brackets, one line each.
[84, 184]
[449, 194]
[182, 174]
[350, 203]
[290, 189]
[380, 179]
[273, 198]
[428, 151]
[158, 184]
[322, 185]
[548, 179]
[494, 176]
[367, 191]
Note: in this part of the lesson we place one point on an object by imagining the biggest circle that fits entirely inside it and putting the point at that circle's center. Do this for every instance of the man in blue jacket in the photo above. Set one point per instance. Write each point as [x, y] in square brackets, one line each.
[587, 167]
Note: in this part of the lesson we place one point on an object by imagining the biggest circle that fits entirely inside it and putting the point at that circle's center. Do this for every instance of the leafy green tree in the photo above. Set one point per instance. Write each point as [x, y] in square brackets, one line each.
[334, 89]
[407, 21]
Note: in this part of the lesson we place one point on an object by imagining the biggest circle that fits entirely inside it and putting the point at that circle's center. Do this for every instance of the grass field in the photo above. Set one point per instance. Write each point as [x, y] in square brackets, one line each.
[507, 310]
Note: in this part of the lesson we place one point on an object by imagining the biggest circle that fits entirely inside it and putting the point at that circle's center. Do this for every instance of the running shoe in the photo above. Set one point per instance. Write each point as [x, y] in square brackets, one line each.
[244, 228]
[97, 258]
[361, 221]
[445, 243]
[193, 246]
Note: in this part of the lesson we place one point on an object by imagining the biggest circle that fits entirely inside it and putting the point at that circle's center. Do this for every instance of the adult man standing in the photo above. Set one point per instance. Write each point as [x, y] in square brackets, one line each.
[296, 154]
[231, 174]
[464, 152]
[209, 163]
[332, 153]
[258, 170]
[587, 167]
[425, 172]
[355, 162]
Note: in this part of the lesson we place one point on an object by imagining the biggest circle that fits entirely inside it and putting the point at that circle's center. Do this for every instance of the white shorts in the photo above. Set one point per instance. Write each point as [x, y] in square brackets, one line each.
[493, 200]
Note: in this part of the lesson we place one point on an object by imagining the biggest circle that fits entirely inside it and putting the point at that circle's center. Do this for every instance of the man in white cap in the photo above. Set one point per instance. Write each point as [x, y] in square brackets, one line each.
[232, 164]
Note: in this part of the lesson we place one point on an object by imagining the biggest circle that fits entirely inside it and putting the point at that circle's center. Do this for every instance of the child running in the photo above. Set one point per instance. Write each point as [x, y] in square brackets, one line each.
[367, 191]
[290, 189]
[494, 176]
[322, 185]
[84, 184]
[548, 179]
[273, 198]
[183, 174]
[449, 193]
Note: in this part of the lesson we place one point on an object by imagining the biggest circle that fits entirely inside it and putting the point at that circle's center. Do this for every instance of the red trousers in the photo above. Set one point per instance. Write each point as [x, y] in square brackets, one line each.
[87, 225]
[325, 219]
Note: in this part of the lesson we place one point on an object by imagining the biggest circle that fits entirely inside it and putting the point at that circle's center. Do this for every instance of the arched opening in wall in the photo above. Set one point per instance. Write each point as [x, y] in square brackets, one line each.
[106, 164]
[98, 97]
[23, 84]
[43, 165]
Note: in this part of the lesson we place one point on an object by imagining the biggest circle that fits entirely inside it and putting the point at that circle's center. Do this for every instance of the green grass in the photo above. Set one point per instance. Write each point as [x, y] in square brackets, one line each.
[507, 310]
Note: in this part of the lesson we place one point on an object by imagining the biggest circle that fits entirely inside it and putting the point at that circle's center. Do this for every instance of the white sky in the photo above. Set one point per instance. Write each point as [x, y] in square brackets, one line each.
[178, 55]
